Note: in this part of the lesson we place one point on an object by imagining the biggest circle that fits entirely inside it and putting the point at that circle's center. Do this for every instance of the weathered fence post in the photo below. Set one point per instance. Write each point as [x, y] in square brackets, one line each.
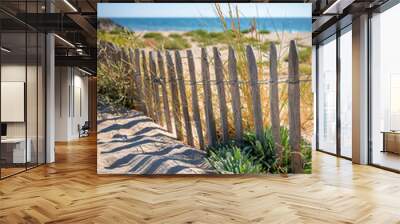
[175, 97]
[156, 90]
[127, 67]
[210, 122]
[134, 87]
[147, 86]
[255, 92]
[235, 93]
[294, 109]
[274, 100]
[163, 81]
[219, 76]
[195, 99]
[185, 109]
[138, 80]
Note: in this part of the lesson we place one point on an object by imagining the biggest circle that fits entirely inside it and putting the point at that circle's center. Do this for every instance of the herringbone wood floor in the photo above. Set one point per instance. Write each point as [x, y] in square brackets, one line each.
[70, 191]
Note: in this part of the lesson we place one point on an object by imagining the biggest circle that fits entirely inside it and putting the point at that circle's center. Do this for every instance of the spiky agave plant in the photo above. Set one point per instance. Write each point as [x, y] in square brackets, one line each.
[263, 150]
[230, 159]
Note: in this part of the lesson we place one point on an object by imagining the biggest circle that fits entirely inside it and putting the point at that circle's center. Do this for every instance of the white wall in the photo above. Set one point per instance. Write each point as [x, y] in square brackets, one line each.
[50, 95]
[33, 126]
[13, 73]
[62, 82]
[80, 108]
[71, 87]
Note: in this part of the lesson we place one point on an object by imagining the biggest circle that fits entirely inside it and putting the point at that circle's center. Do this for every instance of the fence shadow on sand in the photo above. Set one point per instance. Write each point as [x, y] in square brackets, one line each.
[133, 144]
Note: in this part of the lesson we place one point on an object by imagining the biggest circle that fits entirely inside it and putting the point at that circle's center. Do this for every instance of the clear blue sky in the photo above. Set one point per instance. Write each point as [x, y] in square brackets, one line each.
[113, 10]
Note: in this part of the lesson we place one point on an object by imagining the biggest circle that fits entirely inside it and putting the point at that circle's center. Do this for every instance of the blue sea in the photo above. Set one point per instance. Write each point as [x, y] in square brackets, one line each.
[213, 24]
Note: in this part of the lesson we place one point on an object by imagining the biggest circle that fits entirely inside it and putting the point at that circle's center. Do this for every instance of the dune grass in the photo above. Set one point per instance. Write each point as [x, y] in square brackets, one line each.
[122, 38]
[172, 42]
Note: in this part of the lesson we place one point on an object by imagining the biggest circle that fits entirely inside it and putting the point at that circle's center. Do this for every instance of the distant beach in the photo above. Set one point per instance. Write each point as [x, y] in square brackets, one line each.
[214, 24]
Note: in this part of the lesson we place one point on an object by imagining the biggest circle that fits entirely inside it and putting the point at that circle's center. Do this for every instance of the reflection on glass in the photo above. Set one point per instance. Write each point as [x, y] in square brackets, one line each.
[346, 94]
[385, 84]
[327, 96]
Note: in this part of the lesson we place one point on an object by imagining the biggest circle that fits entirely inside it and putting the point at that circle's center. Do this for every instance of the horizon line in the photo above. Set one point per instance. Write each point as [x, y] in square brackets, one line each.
[244, 17]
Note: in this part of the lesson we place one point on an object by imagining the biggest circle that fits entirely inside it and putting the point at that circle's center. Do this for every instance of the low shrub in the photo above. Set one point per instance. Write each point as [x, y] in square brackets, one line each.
[176, 44]
[174, 35]
[205, 38]
[174, 41]
[245, 31]
[122, 38]
[264, 31]
[153, 35]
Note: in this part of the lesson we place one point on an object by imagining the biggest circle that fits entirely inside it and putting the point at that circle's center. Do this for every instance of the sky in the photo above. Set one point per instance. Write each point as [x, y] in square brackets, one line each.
[146, 10]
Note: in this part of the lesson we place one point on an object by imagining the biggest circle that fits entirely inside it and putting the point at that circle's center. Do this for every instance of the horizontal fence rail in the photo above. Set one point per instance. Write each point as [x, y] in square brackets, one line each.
[164, 85]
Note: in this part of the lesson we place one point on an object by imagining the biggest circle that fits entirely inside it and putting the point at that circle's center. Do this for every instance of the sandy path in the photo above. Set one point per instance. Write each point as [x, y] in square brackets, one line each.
[132, 144]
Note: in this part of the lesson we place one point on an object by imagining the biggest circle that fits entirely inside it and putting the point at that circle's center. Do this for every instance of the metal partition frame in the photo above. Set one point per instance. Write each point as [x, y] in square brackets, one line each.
[29, 29]
[340, 30]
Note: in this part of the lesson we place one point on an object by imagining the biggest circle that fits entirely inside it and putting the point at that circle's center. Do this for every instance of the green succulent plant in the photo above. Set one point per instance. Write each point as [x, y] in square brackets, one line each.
[231, 159]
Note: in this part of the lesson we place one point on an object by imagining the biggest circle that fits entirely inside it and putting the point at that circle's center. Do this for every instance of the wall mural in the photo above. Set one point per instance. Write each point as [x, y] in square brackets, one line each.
[201, 88]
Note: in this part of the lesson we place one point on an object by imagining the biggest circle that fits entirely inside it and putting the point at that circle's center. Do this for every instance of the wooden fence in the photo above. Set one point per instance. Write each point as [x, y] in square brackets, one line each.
[159, 79]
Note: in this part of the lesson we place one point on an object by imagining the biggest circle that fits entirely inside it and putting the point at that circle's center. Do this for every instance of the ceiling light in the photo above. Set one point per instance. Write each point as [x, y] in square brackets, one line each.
[338, 6]
[79, 51]
[5, 50]
[65, 41]
[84, 71]
[70, 5]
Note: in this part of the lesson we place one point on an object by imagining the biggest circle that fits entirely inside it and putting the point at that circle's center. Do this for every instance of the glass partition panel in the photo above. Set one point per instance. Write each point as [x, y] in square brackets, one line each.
[14, 153]
[346, 93]
[41, 98]
[327, 95]
[32, 98]
[385, 89]
[22, 78]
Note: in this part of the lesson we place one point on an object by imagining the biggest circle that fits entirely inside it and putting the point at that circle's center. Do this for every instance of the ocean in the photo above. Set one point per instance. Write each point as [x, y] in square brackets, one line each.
[213, 24]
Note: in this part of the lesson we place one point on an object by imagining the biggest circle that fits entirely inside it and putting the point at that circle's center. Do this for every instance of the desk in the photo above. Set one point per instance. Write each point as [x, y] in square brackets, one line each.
[391, 141]
[15, 148]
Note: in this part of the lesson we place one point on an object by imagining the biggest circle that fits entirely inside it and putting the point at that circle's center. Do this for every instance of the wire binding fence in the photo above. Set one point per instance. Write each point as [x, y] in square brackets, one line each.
[158, 78]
